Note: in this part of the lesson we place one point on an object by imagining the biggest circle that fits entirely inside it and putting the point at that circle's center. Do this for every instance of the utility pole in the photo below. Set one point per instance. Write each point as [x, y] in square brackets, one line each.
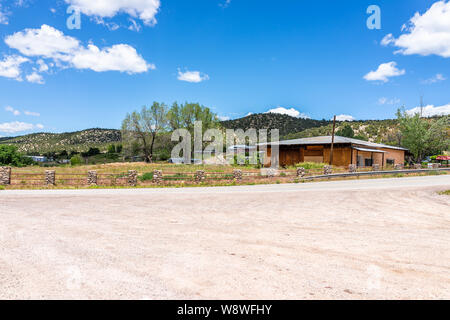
[332, 141]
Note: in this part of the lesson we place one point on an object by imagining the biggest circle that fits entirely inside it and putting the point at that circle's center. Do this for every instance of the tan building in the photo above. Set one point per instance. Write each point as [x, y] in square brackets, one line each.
[346, 151]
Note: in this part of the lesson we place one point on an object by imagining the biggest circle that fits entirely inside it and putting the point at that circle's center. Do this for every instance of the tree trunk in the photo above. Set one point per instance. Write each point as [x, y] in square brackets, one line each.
[151, 146]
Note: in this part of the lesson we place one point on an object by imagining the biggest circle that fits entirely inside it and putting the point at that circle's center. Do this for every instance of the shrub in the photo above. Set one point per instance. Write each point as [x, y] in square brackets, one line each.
[146, 176]
[9, 156]
[76, 160]
[2, 187]
[311, 165]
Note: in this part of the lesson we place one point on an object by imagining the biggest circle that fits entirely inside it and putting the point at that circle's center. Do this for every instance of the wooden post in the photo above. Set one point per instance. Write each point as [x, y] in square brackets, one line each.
[332, 141]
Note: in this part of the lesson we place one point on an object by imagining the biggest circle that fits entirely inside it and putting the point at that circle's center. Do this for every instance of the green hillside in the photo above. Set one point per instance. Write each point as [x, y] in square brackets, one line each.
[284, 123]
[80, 141]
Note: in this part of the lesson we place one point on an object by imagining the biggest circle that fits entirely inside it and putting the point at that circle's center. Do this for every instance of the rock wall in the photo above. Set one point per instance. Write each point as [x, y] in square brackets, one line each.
[5, 176]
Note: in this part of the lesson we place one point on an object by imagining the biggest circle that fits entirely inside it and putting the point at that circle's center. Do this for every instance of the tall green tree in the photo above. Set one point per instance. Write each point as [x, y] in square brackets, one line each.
[184, 116]
[421, 136]
[9, 156]
[142, 128]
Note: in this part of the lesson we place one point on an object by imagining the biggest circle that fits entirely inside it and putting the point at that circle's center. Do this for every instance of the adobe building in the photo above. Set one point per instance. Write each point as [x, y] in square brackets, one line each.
[346, 151]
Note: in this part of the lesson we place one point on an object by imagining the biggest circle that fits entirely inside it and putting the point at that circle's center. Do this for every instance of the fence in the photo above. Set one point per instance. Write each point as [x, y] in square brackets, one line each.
[132, 178]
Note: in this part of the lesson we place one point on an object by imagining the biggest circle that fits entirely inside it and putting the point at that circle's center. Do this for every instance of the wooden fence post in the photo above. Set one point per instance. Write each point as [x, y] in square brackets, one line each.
[5, 176]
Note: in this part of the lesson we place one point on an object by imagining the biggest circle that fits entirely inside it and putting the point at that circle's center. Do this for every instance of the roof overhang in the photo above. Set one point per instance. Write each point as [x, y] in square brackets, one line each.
[369, 150]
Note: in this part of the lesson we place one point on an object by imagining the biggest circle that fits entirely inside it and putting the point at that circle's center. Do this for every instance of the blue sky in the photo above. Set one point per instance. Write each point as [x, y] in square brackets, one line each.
[306, 58]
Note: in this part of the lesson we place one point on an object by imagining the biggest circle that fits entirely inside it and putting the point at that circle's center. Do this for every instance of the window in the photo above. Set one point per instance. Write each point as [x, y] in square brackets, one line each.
[390, 162]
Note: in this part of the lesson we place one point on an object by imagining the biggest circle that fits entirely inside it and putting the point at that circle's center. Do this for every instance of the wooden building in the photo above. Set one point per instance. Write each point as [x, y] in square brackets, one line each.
[346, 151]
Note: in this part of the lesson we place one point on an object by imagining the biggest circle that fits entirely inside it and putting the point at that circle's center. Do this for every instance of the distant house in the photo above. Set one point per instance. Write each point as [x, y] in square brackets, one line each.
[346, 151]
[41, 159]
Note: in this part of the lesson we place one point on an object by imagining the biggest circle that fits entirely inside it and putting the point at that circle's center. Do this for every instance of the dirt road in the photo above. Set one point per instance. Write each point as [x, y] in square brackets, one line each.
[382, 239]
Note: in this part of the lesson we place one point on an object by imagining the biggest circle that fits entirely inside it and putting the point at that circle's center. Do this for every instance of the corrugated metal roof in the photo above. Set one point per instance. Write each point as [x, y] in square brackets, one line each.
[337, 139]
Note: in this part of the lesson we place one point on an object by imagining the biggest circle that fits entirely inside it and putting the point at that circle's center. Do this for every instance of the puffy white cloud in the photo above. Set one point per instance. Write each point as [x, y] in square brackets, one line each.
[437, 78]
[223, 118]
[35, 78]
[431, 110]
[385, 100]
[46, 42]
[121, 57]
[344, 117]
[10, 67]
[384, 72]
[192, 76]
[290, 112]
[50, 43]
[145, 10]
[16, 126]
[426, 34]
[12, 110]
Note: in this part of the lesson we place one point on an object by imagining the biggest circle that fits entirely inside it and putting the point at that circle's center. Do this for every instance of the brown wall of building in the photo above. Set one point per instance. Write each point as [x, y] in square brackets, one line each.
[342, 156]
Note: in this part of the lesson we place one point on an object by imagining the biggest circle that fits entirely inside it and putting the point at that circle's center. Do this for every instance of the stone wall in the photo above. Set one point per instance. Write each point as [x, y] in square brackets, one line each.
[92, 178]
[376, 167]
[200, 176]
[327, 170]
[5, 175]
[50, 177]
[157, 176]
[237, 175]
[352, 168]
[132, 178]
[301, 172]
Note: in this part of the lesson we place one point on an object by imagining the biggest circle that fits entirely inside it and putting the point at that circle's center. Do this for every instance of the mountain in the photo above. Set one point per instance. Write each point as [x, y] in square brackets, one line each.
[284, 123]
[70, 141]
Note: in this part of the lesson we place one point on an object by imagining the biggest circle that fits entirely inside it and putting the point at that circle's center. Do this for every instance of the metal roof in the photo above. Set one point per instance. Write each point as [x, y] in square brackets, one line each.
[370, 150]
[337, 139]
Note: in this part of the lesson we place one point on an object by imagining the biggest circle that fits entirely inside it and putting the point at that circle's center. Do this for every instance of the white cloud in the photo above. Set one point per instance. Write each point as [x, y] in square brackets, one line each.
[192, 76]
[10, 67]
[431, 110]
[50, 43]
[385, 100]
[426, 34]
[121, 57]
[35, 78]
[384, 72]
[290, 112]
[145, 10]
[46, 42]
[16, 126]
[31, 114]
[12, 110]
[437, 78]
[344, 117]
[249, 114]
[43, 67]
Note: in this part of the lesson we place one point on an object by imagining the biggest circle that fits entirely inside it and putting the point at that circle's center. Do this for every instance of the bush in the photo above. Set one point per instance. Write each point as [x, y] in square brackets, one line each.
[311, 165]
[146, 176]
[2, 187]
[9, 156]
[76, 160]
